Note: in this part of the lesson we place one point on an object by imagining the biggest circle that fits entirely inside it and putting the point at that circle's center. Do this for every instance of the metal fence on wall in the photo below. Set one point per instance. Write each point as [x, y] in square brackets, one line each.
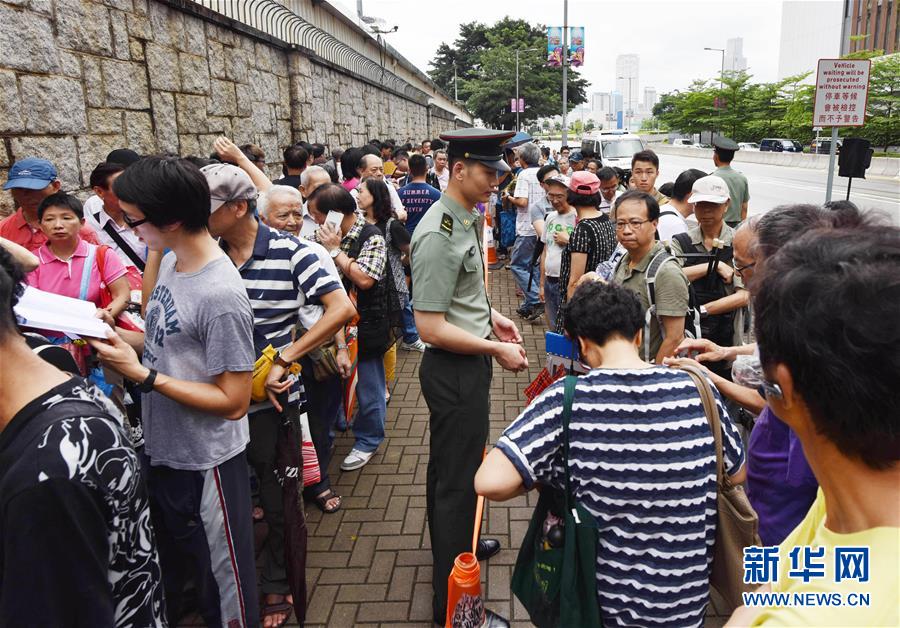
[281, 23]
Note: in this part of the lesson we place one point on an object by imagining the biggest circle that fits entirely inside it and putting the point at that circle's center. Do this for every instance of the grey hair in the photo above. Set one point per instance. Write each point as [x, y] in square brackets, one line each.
[440, 152]
[530, 153]
[262, 203]
[308, 172]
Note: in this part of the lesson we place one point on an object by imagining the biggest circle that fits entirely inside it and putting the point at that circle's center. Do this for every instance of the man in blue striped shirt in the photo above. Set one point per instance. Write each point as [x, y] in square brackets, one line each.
[641, 460]
[281, 275]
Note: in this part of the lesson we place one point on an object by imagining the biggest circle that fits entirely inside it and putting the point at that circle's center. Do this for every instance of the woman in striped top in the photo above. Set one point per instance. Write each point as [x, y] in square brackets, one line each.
[642, 461]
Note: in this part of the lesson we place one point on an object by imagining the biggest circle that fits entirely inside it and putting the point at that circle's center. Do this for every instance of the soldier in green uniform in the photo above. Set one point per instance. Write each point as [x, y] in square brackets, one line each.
[738, 188]
[454, 317]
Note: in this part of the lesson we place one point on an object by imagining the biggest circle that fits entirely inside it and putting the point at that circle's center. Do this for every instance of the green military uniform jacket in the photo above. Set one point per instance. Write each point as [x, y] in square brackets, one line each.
[448, 267]
[738, 191]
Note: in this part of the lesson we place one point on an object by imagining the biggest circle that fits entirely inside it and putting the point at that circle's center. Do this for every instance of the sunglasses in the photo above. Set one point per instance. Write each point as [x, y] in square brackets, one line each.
[131, 222]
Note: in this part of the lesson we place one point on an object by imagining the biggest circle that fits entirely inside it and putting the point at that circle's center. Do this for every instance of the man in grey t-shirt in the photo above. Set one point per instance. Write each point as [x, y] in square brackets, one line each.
[196, 378]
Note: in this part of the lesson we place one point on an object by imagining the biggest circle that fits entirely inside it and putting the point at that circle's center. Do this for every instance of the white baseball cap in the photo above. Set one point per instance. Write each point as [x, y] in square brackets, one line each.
[709, 189]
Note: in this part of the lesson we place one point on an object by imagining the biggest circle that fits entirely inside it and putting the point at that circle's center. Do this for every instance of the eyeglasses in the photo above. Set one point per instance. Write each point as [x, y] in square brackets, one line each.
[131, 222]
[740, 269]
[634, 224]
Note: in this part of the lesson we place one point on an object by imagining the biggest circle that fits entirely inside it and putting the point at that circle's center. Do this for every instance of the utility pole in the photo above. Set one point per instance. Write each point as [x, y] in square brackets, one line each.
[455, 84]
[832, 150]
[630, 104]
[565, 78]
[517, 83]
[719, 106]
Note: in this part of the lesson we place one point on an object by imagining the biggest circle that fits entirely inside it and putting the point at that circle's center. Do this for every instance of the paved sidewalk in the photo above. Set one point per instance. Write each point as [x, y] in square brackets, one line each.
[370, 563]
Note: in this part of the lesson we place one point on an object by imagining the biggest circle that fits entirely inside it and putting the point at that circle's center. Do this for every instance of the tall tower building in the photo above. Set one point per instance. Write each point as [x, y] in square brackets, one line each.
[734, 55]
[650, 98]
[873, 26]
[810, 30]
[627, 68]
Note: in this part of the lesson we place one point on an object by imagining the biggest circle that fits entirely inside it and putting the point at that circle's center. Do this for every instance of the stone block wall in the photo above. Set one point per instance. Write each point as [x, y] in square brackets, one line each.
[79, 78]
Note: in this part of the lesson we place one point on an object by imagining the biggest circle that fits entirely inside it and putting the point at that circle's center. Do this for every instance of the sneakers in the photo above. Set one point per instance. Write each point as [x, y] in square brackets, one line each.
[536, 312]
[418, 345]
[356, 459]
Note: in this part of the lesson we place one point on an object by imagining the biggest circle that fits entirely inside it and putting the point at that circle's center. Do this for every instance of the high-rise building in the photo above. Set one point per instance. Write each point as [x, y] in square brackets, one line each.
[734, 55]
[627, 79]
[873, 26]
[650, 99]
[810, 30]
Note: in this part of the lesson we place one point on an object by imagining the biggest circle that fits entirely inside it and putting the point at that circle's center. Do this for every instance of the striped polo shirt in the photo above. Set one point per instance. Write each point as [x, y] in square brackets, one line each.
[642, 461]
[282, 275]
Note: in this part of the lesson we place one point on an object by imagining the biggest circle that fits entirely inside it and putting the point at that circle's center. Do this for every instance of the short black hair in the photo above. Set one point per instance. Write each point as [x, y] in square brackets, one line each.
[784, 223]
[725, 155]
[685, 183]
[825, 308]
[595, 161]
[400, 154]
[418, 165]
[600, 311]
[374, 142]
[12, 278]
[102, 172]
[167, 190]
[607, 173]
[331, 170]
[641, 196]
[438, 144]
[666, 189]
[645, 155]
[381, 208]
[350, 162]
[318, 150]
[61, 199]
[332, 197]
[295, 157]
[543, 171]
[584, 200]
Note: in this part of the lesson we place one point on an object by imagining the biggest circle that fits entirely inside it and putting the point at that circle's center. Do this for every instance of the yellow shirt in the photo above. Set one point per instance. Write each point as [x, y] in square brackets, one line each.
[389, 168]
[882, 587]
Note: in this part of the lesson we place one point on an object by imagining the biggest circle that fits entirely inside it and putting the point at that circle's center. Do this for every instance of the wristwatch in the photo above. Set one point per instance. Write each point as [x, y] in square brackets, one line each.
[280, 361]
[703, 311]
[340, 347]
[147, 385]
[335, 252]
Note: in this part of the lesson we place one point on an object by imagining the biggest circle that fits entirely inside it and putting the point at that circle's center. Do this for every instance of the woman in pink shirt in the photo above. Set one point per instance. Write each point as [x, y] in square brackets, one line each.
[69, 266]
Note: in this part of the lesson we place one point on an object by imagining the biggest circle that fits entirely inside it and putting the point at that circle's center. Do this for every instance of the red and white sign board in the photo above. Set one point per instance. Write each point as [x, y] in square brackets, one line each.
[842, 91]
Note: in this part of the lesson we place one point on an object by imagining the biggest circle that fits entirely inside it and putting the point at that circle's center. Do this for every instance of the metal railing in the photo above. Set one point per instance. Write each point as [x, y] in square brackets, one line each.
[283, 24]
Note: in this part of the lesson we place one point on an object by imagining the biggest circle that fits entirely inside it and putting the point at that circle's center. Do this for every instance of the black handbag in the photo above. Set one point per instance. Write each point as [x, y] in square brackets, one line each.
[555, 577]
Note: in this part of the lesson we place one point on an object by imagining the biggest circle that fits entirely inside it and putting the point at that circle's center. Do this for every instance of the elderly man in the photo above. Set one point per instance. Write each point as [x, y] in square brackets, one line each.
[281, 275]
[720, 293]
[528, 192]
[30, 181]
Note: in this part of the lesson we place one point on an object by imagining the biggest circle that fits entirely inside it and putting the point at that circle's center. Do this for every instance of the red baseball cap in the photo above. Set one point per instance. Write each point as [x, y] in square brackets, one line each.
[584, 183]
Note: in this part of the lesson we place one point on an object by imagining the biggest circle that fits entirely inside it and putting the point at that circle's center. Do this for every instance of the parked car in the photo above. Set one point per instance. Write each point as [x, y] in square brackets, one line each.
[748, 146]
[680, 141]
[823, 146]
[780, 145]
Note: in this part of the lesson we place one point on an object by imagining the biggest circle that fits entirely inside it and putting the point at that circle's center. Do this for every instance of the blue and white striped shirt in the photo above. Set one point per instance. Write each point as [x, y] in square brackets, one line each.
[282, 275]
[642, 461]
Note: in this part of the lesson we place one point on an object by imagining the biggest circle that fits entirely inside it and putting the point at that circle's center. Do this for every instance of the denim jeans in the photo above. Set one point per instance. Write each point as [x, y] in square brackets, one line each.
[520, 264]
[410, 333]
[368, 426]
[551, 300]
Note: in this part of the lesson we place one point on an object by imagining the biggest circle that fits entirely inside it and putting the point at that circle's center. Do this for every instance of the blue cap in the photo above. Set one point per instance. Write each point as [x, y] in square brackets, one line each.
[576, 156]
[32, 174]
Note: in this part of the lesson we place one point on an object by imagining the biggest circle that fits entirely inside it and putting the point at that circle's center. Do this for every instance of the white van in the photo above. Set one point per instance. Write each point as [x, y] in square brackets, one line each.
[612, 148]
[680, 141]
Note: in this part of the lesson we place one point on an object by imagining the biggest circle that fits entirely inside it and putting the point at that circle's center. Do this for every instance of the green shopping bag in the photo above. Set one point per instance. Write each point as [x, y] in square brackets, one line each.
[558, 585]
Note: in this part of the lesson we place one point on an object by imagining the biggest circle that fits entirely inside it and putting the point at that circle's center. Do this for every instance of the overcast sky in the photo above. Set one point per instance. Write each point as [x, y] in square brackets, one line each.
[669, 35]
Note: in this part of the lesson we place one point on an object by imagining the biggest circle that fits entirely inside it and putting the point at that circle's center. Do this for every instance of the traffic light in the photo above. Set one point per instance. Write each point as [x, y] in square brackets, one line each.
[855, 157]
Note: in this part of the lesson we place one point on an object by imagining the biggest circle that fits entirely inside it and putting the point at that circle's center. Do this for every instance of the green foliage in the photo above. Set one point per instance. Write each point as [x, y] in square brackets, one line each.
[751, 111]
[486, 72]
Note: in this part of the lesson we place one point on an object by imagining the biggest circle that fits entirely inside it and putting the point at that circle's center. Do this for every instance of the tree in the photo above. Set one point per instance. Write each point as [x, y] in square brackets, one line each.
[590, 125]
[486, 72]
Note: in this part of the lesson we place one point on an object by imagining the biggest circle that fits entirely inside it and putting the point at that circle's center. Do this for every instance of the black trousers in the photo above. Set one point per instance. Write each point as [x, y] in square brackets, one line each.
[457, 390]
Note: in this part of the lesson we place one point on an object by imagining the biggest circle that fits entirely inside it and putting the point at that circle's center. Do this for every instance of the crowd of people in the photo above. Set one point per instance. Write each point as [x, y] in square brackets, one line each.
[247, 312]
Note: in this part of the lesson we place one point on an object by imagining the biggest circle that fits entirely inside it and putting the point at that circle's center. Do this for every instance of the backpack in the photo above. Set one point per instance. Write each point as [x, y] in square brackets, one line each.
[692, 327]
[718, 328]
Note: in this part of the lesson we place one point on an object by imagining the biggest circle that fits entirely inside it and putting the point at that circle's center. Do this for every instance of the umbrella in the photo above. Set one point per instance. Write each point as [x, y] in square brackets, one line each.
[350, 382]
[517, 140]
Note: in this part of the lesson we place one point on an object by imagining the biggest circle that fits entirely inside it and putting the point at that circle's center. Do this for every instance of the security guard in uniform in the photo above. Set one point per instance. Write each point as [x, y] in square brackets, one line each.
[454, 317]
[738, 189]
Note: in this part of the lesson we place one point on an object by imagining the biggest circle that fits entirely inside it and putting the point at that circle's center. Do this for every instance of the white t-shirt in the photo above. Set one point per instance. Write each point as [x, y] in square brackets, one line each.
[96, 218]
[671, 223]
[442, 177]
[527, 186]
[552, 223]
[310, 314]
[605, 205]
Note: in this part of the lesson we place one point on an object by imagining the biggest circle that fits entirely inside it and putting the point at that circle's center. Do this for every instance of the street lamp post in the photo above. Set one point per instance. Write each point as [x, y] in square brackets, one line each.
[455, 84]
[721, 75]
[630, 101]
[565, 77]
[517, 82]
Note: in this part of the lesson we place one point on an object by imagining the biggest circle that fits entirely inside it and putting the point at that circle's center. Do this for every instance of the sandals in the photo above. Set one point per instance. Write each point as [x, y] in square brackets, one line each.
[281, 608]
[322, 502]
